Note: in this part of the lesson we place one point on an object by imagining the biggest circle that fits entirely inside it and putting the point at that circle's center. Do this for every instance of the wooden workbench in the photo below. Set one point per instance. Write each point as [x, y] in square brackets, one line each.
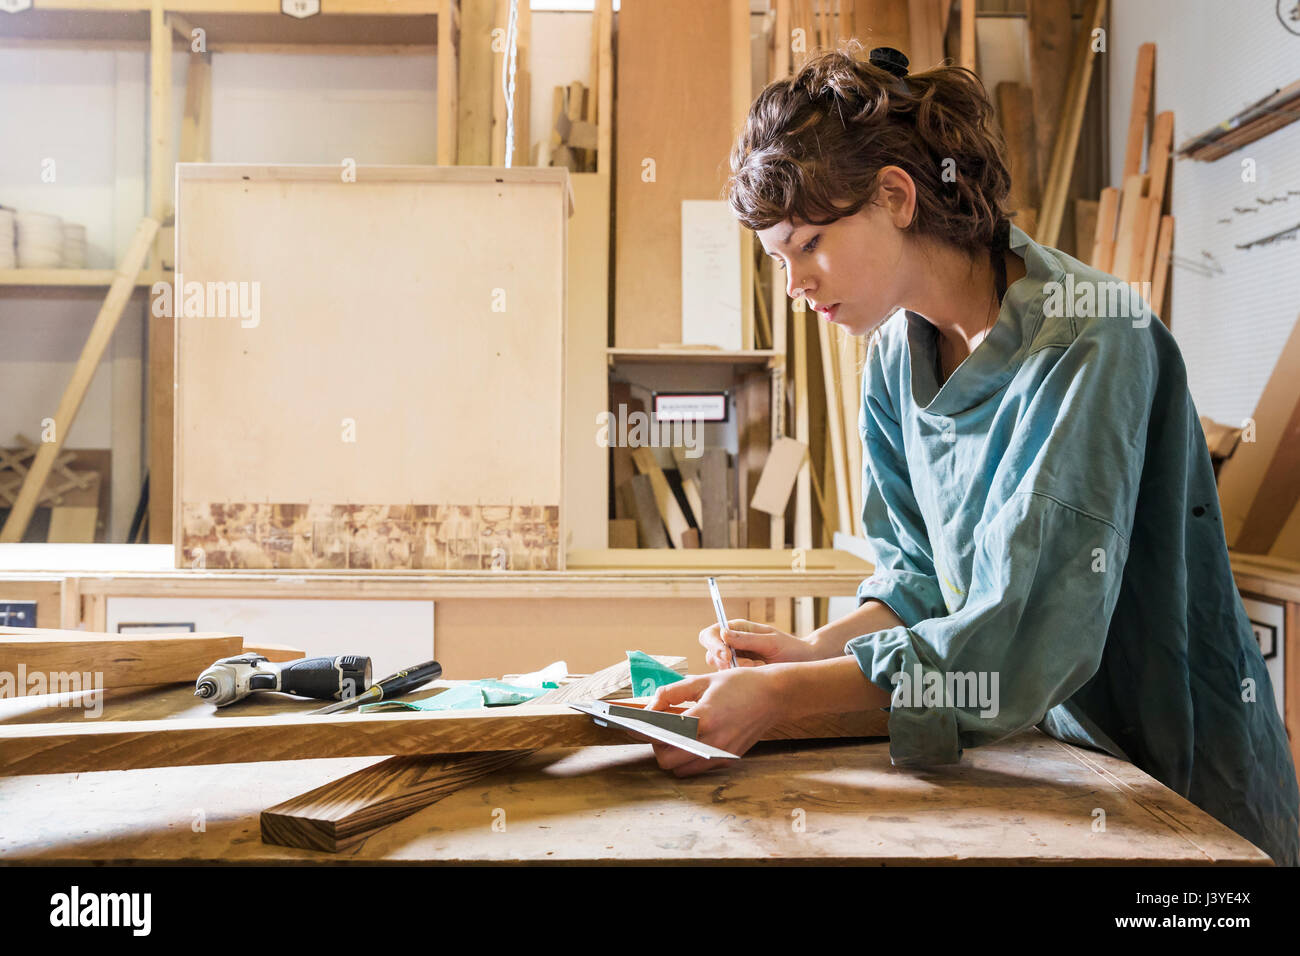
[1029, 799]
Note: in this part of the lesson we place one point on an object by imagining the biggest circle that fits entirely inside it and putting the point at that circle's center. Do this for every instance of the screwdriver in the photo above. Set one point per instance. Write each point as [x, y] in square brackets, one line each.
[404, 681]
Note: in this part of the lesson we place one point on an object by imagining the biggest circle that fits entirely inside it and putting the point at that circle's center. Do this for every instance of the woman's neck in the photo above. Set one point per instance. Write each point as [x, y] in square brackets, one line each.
[960, 300]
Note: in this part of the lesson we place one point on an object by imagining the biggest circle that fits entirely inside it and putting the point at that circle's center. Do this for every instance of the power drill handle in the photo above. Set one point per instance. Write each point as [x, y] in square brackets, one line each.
[326, 678]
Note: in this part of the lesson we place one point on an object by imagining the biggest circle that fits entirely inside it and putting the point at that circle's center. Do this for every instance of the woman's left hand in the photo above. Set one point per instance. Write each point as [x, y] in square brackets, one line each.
[734, 706]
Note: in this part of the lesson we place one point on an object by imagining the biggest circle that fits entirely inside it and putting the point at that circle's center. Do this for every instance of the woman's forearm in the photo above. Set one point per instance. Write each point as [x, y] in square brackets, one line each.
[830, 639]
[833, 686]
[833, 683]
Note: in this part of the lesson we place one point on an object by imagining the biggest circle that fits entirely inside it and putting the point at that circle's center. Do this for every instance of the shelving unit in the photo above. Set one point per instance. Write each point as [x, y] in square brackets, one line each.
[162, 27]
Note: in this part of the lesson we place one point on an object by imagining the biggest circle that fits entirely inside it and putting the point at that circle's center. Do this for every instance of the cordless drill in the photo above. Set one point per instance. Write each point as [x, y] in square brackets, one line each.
[325, 678]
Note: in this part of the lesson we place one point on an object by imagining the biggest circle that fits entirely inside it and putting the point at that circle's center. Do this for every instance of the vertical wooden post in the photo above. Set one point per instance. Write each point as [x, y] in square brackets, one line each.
[162, 330]
[448, 80]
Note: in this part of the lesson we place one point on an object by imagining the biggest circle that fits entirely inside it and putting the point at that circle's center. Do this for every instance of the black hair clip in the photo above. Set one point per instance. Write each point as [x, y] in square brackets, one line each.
[892, 61]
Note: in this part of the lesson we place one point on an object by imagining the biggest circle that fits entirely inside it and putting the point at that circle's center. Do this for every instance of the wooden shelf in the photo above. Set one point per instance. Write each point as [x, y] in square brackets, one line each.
[233, 26]
[761, 357]
[66, 278]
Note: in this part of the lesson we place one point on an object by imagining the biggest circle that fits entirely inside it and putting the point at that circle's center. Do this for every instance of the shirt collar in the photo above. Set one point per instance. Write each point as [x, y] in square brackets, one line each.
[997, 358]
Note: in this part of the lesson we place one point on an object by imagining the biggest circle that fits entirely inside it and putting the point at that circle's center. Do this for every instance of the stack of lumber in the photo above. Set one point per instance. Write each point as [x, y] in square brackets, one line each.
[1134, 236]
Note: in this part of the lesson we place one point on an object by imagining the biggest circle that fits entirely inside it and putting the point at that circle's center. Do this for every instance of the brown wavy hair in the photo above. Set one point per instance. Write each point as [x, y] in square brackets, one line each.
[814, 144]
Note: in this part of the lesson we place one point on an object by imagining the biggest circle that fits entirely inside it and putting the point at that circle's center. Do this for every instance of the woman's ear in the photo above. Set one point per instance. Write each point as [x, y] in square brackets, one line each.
[897, 193]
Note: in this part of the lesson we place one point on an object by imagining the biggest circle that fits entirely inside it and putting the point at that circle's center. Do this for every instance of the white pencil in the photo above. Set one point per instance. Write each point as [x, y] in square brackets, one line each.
[722, 618]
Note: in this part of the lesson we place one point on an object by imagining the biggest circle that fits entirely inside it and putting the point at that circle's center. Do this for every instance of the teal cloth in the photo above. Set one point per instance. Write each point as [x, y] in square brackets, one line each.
[991, 503]
[479, 693]
[648, 675]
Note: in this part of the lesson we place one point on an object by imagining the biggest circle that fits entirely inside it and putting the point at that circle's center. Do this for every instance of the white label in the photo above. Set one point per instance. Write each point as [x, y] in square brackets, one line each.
[15, 6]
[709, 407]
[300, 8]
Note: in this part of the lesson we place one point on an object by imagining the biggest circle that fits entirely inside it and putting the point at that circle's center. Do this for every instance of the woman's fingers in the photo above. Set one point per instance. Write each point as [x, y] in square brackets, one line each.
[679, 692]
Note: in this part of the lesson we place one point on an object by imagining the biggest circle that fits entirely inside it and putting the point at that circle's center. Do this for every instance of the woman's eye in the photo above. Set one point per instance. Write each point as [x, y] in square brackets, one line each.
[780, 263]
[812, 244]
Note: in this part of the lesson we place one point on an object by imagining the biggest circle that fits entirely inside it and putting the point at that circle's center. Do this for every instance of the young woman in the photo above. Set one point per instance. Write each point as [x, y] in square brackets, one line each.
[1037, 488]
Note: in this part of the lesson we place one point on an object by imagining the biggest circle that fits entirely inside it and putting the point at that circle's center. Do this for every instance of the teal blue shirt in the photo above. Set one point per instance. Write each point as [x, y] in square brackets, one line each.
[1046, 526]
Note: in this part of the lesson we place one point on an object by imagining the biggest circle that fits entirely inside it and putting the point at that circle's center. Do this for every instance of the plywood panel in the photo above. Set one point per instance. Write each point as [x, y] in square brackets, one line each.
[405, 352]
[675, 125]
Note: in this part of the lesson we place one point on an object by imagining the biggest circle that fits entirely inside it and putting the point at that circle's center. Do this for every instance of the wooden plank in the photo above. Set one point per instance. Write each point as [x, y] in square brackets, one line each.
[586, 374]
[674, 133]
[1242, 477]
[448, 81]
[786, 460]
[1130, 215]
[882, 23]
[1049, 50]
[1056, 184]
[1085, 225]
[75, 392]
[648, 518]
[1015, 108]
[119, 660]
[346, 811]
[688, 469]
[1103, 244]
[834, 429]
[1278, 494]
[713, 493]
[1139, 109]
[742, 94]
[361, 481]
[665, 500]
[474, 87]
[1158, 170]
[131, 745]
[755, 396]
[968, 11]
[622, 533]
[1160, 271]
[803, 484]
[925, 28]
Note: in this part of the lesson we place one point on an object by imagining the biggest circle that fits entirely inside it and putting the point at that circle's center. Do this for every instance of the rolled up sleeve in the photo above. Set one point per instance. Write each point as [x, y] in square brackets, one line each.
[1047, 578]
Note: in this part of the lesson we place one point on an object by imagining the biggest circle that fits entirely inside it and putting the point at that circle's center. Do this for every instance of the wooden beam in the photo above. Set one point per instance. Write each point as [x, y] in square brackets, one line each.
[101, 332]
[135, 744]
[665, 500]
[1139, 109]
[448, 81]
[1158, 170]
[120, 660]
[1103, 243]
[1056, 185]
[835, 428]
[346, 811]
[1049, 47]
[968, 54]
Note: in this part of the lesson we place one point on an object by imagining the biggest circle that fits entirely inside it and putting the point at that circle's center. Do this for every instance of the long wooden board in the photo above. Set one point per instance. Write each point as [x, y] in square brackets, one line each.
[122, 660]
[131, 745]
[346, 811]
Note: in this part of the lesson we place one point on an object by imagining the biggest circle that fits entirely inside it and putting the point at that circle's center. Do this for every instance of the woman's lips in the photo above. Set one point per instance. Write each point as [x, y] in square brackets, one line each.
[829, 311]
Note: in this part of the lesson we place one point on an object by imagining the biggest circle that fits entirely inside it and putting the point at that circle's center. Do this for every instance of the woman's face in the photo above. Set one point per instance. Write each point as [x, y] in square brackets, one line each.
[856, 270]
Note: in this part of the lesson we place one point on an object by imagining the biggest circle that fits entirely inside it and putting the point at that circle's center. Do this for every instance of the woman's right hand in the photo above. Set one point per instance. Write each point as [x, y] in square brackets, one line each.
[754, 644]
